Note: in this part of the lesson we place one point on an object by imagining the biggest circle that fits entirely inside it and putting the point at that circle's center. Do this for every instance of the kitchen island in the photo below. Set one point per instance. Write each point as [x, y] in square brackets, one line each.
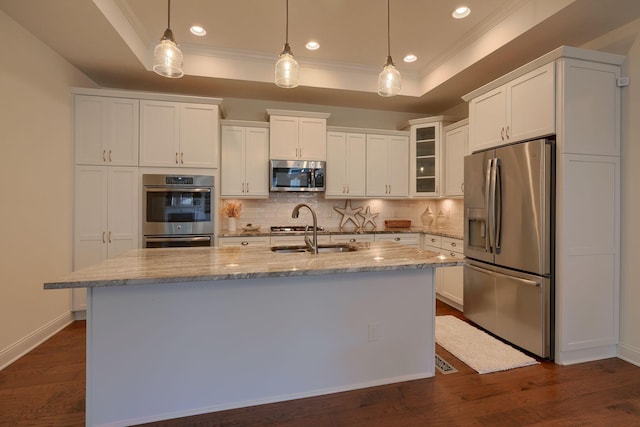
[179, 332]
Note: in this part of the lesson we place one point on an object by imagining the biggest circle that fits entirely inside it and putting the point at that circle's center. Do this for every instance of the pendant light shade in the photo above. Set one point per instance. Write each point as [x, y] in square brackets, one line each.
[167, 57]
[287, 67]
[389, 80]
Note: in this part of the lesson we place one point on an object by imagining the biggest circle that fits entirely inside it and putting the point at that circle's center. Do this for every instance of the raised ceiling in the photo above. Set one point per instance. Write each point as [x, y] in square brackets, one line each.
[112, 41]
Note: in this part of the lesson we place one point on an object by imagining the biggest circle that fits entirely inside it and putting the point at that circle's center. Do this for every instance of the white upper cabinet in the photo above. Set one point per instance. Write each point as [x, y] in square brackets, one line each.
[297, 135]
[521, 109]
[174, 134]
[244, 165]
[455, 148]
[105, 130]
[387, 166]
[346, 164]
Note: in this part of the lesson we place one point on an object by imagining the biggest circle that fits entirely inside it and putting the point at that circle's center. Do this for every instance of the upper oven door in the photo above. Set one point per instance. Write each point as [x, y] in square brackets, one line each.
[171, 211]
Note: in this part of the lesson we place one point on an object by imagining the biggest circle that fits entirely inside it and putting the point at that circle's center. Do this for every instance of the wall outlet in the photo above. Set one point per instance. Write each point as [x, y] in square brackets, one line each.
[622, 81]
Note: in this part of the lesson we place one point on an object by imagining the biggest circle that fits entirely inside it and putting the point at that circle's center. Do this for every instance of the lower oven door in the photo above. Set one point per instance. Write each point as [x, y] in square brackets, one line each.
[177, 241]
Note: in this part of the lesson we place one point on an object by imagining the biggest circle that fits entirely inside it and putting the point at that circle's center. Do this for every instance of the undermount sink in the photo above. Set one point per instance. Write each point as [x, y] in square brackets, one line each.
[321, 249]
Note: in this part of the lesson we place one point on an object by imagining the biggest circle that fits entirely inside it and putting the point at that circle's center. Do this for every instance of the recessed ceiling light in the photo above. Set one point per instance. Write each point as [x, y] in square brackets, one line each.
[461, 12]
[410, 58]
[197, 30]
[312, 45]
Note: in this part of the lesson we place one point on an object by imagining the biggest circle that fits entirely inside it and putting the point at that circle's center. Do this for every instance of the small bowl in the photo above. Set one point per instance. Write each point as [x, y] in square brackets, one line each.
[251, 227]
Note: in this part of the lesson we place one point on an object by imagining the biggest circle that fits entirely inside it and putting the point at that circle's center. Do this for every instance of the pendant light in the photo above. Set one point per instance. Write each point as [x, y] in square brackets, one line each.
[389, 80]
[167, 57]
[287, 67]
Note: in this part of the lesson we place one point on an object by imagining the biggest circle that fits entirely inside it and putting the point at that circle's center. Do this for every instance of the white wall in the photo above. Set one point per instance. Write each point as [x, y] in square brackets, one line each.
[35, 188]
[626, 41]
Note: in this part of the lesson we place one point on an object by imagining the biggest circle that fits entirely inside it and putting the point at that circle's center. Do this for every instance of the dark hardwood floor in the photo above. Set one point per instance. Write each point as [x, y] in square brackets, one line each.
[46, 388]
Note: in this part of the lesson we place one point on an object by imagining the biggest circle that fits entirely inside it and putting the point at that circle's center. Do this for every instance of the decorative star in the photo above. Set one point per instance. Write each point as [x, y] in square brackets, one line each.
[348, 214]
[368, 217]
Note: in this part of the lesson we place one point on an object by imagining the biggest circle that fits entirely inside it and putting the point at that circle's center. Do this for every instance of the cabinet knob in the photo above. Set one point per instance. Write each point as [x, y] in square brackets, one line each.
[453, 254]
[397, 239]
[352, 240]
[453, 244]
[245, 243]
[433, 240]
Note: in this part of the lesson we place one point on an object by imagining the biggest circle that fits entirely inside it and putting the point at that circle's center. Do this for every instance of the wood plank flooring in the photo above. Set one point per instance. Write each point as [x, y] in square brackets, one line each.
[47, 386]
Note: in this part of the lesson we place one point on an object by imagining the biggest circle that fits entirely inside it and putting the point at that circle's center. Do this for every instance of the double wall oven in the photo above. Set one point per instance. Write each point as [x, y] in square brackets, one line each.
[177, 210]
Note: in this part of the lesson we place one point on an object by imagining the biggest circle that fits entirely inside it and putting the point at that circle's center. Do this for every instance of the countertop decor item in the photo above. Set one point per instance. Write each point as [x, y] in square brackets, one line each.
[397, 223]
[368, 217]
[232, 211]
[348, 214]
[427, 217]
[251, 227]
[441, 220]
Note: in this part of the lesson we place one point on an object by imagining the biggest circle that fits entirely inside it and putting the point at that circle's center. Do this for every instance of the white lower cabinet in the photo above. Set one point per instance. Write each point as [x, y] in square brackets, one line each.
[409, 239]
[243, 241]
[106, 217]
[449, 280]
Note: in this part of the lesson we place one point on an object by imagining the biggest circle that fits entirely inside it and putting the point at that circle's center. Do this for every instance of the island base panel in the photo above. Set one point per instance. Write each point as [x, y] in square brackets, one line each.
[170, 350]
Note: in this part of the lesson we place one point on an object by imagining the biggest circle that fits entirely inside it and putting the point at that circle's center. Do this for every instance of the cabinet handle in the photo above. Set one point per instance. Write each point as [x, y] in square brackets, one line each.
[397, 239]
[247, 188]
[507, 133]
[347, 188]
[104, 155]
[245, 243]
[182, 158]
[462, 187]
[103, 240]
[502, 134]
[352, 240]
[109, 236]
[177, 158]
[300, 152]
[110, 156]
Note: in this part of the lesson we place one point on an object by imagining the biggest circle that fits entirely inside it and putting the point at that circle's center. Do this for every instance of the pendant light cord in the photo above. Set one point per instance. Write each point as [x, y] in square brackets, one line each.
[388, 29]
[169, 14]
[286, 36]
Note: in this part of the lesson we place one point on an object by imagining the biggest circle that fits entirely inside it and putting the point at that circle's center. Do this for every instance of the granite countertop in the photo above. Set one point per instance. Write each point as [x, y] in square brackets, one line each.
[451, 233]
[181, 265]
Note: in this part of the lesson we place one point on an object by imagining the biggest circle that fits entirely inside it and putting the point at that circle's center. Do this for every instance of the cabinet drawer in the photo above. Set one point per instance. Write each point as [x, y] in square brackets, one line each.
[244, 241]
[409, 239]
[433, 240]
[352, 238]
[452, 245]
[451, 254]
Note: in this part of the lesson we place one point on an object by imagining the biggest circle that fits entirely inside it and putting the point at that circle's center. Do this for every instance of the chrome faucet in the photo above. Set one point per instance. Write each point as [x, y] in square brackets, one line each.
[312, 245]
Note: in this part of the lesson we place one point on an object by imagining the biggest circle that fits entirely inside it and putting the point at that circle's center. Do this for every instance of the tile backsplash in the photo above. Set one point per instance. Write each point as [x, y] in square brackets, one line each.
[277, 211]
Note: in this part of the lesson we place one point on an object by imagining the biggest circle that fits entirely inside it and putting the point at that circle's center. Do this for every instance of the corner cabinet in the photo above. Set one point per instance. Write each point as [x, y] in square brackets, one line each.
[387, 161]
[346, 164]
[521, 109]
[297, 135]
[425, 155]
[573, 93]
[176, 134]
[456, 146]
[105, 130]
[244, 168]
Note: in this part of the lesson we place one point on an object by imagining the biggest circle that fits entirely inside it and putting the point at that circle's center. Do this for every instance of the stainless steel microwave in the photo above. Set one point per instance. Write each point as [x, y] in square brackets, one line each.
[297, 175]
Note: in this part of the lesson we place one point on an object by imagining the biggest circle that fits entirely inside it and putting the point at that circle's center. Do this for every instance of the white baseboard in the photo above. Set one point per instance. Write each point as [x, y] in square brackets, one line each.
[21, 347]
[629, 353]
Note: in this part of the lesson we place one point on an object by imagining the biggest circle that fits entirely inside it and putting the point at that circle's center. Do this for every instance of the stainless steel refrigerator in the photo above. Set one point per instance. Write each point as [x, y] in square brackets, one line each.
[508, 243]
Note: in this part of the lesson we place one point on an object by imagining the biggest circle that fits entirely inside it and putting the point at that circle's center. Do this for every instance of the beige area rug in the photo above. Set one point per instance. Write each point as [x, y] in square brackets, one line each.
[477, 349]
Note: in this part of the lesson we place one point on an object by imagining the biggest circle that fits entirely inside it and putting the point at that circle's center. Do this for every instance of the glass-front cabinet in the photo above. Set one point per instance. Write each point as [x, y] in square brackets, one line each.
[426, 156]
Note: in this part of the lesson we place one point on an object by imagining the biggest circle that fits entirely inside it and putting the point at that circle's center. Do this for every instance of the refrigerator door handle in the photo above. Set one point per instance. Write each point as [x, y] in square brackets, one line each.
[494, 273]
[497, 203]
[487, 201]
[492, 205]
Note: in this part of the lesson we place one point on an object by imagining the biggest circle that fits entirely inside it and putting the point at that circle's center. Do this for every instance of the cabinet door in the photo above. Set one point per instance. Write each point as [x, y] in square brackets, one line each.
[312, 138]
[123, 132]
[283, 138]
[398, 166]
[232, 164]
[356, 164]
[531, 105]
[377, 166]
[487, 118]
[90, 223]
[256, 162]
[90, 130]
[336, 164]
[198, 135]
[159, 134]
[123, 210]
[455, 148]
